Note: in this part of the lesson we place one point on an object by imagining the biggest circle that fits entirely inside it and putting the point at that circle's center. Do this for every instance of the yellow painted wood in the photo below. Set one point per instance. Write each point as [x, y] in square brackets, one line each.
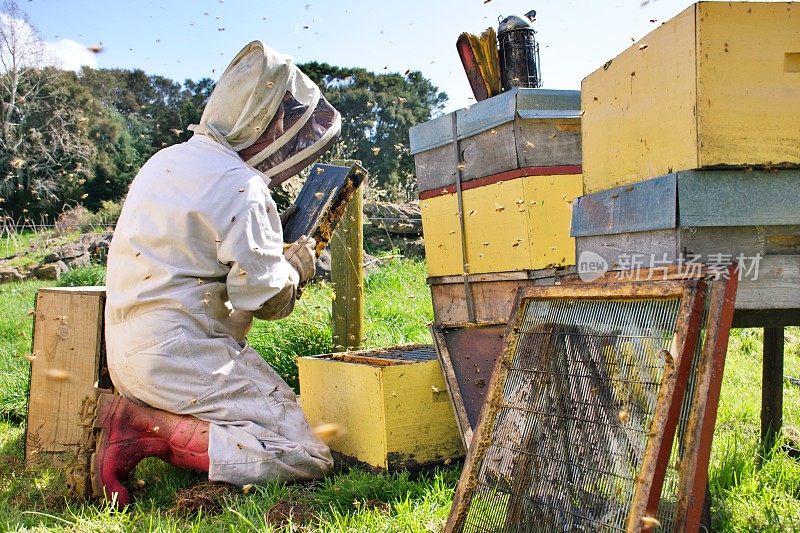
[495, 221]
[350, 395]
[638, 119]
[519, 224]
[716, 85]
[398, 415]
[420, 423]
[549, 202]
[748, 97]
[442, 235]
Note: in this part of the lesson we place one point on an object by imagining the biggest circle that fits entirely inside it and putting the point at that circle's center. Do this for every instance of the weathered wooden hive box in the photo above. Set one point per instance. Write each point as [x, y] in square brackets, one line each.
[392, 404]
[516, 129]
[517, 156]
[512, 221]
[68, 360]
[717, 86]
[703, 217]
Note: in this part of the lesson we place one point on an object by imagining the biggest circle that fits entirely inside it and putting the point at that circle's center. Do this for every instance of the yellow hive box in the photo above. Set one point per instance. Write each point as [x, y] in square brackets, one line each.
[717, 85]
[520, 223]
[392, 405]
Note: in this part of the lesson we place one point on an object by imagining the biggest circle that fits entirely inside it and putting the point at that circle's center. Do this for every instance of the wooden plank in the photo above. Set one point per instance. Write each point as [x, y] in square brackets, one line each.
[367, 360]
[639, 119]
[503, 276]
[772, 388]
[769, 283]
[420, 424]
[549, 201]
[727, 241]
[777, 285]
[551, 142]
[627, 250]
[748, 100]
[644, 206]
[67, 342]
[350, 396]
[489, 152]
[442, 231]
[739, 197]
[347, 275]
[436, 168]
[710, 242]
[503, 176]
[493, 301]
[764, 318]
[696, 441]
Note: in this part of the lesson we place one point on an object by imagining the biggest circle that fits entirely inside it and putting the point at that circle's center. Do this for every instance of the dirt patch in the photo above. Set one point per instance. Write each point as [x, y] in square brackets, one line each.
[208, 496]
[288, 511]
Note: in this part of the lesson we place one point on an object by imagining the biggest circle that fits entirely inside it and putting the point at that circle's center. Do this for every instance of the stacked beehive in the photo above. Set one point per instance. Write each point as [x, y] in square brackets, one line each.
[692, 147]
[496, 183]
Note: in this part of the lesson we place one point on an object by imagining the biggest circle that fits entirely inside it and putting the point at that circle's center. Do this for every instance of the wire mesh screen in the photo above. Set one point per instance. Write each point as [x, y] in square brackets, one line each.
[570, 433]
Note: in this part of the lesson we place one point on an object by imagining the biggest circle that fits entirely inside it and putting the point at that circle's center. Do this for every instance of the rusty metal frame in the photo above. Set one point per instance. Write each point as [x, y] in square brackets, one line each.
[671, 392]
[693, 472]
[459, 407]
[450, 379]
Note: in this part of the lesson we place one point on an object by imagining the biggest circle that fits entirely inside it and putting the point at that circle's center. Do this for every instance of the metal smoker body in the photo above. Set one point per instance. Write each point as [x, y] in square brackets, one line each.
[519, 53]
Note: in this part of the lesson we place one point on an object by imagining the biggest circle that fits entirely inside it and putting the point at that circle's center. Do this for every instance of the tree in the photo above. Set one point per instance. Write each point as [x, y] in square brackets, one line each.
[377, 111]
[43, 146]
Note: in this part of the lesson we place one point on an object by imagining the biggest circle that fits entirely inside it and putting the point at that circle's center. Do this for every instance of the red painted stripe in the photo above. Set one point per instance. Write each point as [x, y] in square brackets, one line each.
[502, 176]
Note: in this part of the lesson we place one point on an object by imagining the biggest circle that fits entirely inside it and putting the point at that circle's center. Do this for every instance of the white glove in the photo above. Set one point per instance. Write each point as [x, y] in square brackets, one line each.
[302, 257]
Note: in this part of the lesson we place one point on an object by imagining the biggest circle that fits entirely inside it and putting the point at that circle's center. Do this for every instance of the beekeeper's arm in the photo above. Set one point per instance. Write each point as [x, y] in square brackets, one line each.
[261, 281]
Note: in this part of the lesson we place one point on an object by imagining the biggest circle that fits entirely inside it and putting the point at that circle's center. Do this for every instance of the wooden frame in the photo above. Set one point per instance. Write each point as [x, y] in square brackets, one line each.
[670, 397]
[697, 439]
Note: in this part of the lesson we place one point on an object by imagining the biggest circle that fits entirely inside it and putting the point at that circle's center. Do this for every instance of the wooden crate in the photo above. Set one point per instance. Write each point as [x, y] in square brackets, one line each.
[717, 85]
[512, 221]
[493, 294]
[68, 350]
[392, 403]
[518, 128]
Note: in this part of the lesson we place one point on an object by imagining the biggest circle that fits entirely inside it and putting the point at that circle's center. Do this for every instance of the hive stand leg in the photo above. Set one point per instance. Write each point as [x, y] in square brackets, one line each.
[772, 387]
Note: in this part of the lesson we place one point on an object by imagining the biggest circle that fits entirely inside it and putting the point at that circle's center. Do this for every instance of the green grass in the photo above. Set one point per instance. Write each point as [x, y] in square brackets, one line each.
[85, 276]
[29, 248]
[753, 493]
[16, 328]
[13, 242]
[749, 493]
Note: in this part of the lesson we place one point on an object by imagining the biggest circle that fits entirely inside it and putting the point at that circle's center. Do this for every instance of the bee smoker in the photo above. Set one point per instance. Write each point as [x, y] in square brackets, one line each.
[519, 53]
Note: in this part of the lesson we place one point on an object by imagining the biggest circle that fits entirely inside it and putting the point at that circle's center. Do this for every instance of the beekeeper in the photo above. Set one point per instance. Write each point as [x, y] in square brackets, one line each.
[197, 253]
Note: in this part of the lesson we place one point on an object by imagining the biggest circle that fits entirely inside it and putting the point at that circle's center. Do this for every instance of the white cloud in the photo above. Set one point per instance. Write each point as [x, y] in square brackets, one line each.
[70, 55]
[66, 53]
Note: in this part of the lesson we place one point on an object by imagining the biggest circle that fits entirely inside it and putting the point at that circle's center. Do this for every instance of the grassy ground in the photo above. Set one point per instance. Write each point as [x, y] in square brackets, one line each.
[749, 494]
[28, 248]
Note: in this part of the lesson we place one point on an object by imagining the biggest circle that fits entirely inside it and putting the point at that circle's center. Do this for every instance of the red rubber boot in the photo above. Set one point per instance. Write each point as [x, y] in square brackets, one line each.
[128, 432]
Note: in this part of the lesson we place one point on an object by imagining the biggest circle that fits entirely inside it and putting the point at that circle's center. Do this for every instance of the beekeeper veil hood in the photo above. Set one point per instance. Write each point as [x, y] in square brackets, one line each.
[270, 113]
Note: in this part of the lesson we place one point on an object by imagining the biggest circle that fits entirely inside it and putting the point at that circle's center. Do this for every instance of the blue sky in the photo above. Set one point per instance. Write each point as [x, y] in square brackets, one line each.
[196, 38]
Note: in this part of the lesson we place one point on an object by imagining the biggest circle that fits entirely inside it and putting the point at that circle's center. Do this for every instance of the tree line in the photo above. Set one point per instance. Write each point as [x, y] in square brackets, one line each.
[78, 138]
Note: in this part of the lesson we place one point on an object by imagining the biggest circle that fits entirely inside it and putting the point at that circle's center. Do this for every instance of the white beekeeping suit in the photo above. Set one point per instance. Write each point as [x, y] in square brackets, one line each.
[199, 236]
